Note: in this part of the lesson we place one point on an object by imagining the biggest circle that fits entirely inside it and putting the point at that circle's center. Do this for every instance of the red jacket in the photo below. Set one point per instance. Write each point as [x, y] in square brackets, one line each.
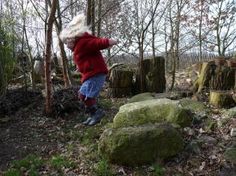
[87, 55]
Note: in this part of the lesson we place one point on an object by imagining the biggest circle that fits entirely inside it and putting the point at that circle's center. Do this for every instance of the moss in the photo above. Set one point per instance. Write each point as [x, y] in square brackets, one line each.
[58, 162]
[90, 134]
[103, 168]
[204, 77]
[193, 105]
[12, 172]
[31, 164]
[141, 97]
[210, 125]
[151, 111]
[221, 99]
[230, 155]
[105, 103]
[179, 116]
[140, 145]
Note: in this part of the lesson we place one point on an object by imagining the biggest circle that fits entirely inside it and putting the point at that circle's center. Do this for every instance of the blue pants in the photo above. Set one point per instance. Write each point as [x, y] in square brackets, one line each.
[92, 86]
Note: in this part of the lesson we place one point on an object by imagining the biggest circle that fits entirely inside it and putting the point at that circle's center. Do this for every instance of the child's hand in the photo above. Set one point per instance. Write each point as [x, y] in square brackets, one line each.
[112, 42]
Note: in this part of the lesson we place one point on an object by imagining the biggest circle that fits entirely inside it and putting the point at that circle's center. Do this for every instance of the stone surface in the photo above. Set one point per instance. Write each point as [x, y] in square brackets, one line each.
[140, 145]
[141, 97]
[152, 111]
[193, 105]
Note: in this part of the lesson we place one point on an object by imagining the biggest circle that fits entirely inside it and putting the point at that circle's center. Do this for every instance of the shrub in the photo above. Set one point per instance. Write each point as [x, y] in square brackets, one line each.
[7, 61]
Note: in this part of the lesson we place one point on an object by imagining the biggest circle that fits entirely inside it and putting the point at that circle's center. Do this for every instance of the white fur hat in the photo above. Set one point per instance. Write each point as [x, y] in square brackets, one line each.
[76, 28]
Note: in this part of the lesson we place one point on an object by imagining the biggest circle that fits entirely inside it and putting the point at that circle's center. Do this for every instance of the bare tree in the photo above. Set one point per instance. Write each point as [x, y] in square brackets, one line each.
[91, 14]
[142, 25]
[58, 25]
[48, 82]
[24, 8]
[223, 21]
[99, 12]
[175, 14]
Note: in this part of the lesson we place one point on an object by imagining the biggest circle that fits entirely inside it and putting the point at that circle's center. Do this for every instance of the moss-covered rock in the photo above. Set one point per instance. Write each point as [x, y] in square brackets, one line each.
[140, 145]
[193, 105]
[141, 97]
[152, 111]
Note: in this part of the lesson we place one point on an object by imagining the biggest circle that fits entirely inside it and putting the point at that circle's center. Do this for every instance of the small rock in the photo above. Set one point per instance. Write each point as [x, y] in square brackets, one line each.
[189, 131]
[233, 132]
[202, 166]
[208, 140]
[194, 147]
[70, 174]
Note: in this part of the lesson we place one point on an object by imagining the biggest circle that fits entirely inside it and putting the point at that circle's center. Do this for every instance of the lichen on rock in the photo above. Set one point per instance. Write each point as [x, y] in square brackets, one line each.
[152, 111]
[141, 144]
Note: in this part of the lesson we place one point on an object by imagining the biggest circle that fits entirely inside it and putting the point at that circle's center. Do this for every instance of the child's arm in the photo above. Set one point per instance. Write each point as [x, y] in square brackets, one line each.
[100, 44]
[112, 42]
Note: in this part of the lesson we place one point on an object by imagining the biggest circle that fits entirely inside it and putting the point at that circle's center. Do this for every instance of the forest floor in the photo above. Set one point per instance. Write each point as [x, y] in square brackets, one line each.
[33, 144]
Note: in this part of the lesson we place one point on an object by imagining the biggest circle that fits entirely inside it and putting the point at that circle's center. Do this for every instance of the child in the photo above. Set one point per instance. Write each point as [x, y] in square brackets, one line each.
[89, 62]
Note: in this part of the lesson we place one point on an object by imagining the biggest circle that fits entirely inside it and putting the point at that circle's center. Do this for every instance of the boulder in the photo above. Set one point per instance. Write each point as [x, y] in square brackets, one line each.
[141, 97]
[193, 105]
[198, 108]
[141, 144]
[152, 111]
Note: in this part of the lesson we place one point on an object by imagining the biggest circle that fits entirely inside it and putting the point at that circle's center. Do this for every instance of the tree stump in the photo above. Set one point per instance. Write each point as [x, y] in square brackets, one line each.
[204, 76]
[120, 83]
[223, 78]
[215, 75]
[221, 99]
[154, 74]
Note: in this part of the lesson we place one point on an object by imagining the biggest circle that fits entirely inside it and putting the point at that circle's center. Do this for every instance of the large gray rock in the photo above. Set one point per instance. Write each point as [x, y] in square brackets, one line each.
[152, 111]
[193, 105]
[142, 97]
[140, 145]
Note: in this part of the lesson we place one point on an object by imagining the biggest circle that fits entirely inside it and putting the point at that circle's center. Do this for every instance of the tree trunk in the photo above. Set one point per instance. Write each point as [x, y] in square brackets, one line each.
[202, 83]
[141, 69]
[31, 62]
[65, 70]
[214, 76]
[48, 82]
[173, 69]
[153, 74]
[200, 32]
[91, 14]
[99, 18]
[120, 83]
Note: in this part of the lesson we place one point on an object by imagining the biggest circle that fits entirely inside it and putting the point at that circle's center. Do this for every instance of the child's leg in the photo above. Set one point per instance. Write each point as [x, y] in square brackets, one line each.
[88, 102]
[88, 92]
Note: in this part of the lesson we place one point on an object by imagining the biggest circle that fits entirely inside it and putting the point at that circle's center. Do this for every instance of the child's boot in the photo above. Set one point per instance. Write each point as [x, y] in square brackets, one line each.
[96, 117]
